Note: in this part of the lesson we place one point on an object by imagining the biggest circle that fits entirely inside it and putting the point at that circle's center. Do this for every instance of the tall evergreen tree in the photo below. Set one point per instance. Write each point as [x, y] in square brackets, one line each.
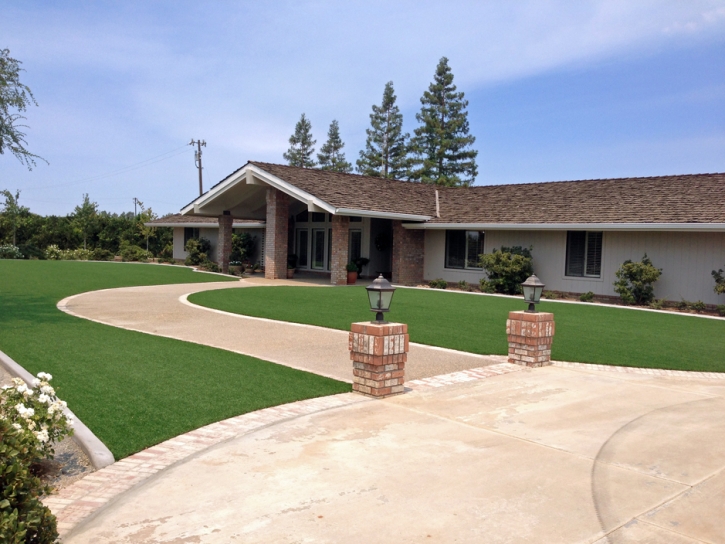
[331, 156]
[302, 146]
[386, 148]
[442, 143]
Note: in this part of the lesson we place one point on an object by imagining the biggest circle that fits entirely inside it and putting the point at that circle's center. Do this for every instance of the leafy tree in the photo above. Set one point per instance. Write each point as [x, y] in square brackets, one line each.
[145, 216]
[386, 148]
[13, 210]
[635, 281]
[302, 146]
[15, 97]
[84, 217]
[442, 144]
[507, 269]
[719, 281]
[331, 156]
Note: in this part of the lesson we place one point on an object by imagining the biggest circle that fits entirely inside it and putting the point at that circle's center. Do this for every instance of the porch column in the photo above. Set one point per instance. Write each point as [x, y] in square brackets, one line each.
[408, 254]
[339, 259]
[275, 239]
[224, 243]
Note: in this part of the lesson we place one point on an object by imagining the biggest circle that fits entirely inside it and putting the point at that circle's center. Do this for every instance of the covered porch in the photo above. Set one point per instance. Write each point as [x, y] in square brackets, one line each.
[318, 237]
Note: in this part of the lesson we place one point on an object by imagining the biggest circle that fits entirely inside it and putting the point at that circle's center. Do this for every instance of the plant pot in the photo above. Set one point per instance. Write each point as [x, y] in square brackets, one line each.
[351, 278]
[290, 273]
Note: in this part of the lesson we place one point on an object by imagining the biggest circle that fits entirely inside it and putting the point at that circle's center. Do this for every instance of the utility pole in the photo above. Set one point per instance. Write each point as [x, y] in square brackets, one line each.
[136, 201]
[197, 159]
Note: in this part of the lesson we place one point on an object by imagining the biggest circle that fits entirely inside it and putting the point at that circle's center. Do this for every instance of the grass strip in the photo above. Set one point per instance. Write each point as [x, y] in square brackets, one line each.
[132, 389]
[477, 324]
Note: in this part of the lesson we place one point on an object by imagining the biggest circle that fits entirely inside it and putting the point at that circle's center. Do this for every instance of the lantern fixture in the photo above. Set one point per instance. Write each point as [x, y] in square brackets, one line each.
[380, 293]
[532, 288]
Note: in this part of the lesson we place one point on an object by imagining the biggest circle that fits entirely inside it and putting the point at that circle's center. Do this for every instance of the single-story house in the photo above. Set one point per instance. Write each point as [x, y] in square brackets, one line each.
[580, 232]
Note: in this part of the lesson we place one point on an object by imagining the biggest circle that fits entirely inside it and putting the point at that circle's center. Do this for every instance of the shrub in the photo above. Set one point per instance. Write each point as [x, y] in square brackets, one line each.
[683, 305]
[485, 286]
[10, 251]
[508, 268]
[463, 286]
[635, 281]
[243, 246]
[438, 283]
[197, 251]
[698, 306]
[100, 254]
[133, 253]
[586, 297]
[721, 309]
[657, 304]
[551, 295]
[53, 253]
[351, 267]
[719, 281]
[31, 251]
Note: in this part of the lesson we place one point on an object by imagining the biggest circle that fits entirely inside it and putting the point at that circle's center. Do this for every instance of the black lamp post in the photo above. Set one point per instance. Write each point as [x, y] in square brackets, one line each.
[532, 288]
[380, 293]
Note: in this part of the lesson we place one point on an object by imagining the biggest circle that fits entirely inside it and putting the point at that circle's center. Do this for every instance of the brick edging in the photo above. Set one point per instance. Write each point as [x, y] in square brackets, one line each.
[688, 374]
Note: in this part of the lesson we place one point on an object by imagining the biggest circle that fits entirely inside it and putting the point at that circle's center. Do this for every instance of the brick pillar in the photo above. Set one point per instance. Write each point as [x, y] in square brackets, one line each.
[530, 336]
[224, 242]
[275, 239]
[408, 254]
[378, 354]
[340, 248]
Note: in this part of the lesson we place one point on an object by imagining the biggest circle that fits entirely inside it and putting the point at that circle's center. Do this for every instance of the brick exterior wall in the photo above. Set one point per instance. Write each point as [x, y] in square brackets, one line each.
[224, 242]
[275, 238]
[530, 336]
[379, 354]
[340, 248]
[408, 255]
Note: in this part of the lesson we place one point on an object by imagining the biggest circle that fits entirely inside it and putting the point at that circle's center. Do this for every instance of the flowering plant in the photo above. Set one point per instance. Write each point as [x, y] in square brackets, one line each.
[37, 413]
[10, 251]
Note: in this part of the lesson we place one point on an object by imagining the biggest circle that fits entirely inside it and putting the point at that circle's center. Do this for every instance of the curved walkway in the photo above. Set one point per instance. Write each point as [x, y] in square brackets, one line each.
[161, 310]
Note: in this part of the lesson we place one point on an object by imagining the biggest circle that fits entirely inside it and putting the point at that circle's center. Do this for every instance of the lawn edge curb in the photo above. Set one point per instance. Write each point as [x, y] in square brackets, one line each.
[98, 454]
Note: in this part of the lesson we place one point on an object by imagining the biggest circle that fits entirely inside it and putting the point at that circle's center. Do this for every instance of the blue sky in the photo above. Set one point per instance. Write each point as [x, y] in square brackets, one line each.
[556, 90]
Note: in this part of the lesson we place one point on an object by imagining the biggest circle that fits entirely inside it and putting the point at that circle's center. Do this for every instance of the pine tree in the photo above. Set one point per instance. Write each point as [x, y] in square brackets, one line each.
[302, 146]
[442, 144]
[331, 156]
[386, 149]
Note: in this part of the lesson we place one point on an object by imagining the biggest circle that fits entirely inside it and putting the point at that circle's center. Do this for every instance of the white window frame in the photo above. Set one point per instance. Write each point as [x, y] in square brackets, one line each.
[465, 259]
[586, 252]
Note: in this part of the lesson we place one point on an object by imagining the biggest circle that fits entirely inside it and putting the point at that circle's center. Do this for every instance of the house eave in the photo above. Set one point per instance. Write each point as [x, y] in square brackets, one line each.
[688, 227]
[214, 225]
[381, 215]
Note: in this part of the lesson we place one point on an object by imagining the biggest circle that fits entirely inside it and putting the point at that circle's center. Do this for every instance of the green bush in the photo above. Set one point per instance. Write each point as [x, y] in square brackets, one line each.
[635, 281]
[130, 252]
[31, 251]
[508, 268]
[698, 306]
[657, 304]
[10, 251]
[210, 266]
[683, 305]
[197, 251]
[54, 253]
[438, 283]
[586, 297]
[351, 267]
[719, 281]
[463, 286]
[485, 286]
[550, 295]
[23, 517]
[721, 309]
[243, 246]
[100, 254]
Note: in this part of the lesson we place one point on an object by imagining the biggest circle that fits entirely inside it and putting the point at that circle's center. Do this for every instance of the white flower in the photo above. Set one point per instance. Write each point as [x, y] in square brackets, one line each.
[64, 404]
[48, 390]
[42, 436]
[22, 388]
[5, 387]
[24, 412]
[70, 421]
[17, 381]
[31, 425]
[44, 398]
[18, 426]
[45, 376]
[36, 382]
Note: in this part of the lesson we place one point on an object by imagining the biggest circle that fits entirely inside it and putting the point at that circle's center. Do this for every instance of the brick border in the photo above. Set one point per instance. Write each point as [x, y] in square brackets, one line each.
[470, 375]
[688, 374]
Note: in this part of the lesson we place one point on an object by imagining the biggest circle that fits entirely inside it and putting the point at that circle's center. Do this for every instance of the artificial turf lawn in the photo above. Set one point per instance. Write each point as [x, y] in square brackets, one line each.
[477, 324]
[133, 390]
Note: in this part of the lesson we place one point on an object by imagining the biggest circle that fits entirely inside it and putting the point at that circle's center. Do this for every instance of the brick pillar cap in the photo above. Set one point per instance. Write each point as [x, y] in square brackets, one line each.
[533, 317]
[375, 329]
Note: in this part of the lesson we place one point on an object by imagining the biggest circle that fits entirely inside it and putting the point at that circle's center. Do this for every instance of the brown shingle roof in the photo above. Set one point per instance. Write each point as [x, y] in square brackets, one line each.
[695, 198]
[181, 219]
[358, 192]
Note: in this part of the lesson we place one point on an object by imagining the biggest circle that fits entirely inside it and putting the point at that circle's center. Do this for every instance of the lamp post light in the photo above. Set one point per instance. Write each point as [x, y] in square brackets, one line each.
[380, 293]
[532, 288]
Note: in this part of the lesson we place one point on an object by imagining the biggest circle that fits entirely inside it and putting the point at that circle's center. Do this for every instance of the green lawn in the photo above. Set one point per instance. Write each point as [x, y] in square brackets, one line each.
[132, 389]
[584, 333]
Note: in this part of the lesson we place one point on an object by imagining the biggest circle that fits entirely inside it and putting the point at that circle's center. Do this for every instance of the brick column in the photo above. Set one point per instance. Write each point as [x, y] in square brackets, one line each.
[340, 248]
[408, 254]
[224, 242]
[378, 354]
[275, 239]
[530, 336]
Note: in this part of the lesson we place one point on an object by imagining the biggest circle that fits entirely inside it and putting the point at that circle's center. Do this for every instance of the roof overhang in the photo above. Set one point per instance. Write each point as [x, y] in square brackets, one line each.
[209, 225]
[252, 175]
[688, 227]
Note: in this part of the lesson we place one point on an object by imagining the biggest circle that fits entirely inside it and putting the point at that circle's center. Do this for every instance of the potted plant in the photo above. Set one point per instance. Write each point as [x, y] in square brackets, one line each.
[351, 273]
[291, 265]
[360, 262]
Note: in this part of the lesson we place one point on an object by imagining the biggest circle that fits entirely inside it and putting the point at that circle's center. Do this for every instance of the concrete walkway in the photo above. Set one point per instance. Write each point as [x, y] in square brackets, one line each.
[159, 310]
[554, 455]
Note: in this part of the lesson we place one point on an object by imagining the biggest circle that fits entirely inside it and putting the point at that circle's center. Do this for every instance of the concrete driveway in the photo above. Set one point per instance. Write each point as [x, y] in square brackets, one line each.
[550, 455]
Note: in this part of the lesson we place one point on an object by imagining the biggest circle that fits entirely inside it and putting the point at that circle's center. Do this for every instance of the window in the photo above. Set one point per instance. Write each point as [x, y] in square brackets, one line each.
[318, 249]
[329, 249]
[189, 233]
[583, 254]
[302, 237]
[318, 217]
[355, 219]
[354, 245]
[303, 217]
[463, 248]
